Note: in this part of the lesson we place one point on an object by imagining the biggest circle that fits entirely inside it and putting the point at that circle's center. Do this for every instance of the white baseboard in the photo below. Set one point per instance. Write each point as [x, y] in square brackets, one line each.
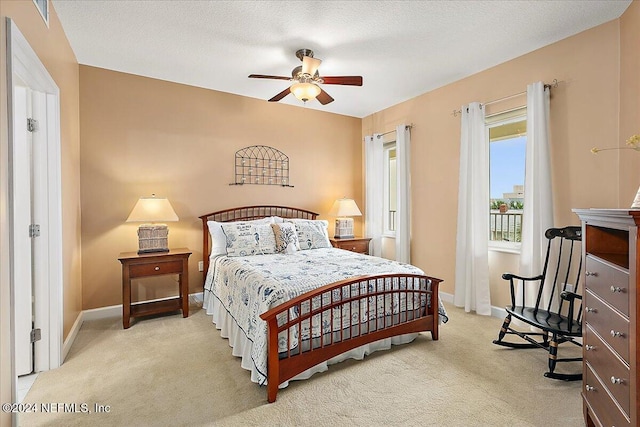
[445, 297]
[495, 311]
[73, 333]
[498, 312]
[103, 313]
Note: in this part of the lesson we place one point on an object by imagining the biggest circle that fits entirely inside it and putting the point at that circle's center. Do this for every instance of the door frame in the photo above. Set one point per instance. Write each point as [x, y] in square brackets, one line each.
[24, 65]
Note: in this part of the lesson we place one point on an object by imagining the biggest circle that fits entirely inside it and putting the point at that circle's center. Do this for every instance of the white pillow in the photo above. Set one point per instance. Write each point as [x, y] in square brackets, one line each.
[312, 234]
[244, 239]
[219, 240]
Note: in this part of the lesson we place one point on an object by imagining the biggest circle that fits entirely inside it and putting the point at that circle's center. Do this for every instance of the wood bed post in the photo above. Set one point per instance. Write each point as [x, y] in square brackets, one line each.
[205, 249]
[435, 304]
[273, 368]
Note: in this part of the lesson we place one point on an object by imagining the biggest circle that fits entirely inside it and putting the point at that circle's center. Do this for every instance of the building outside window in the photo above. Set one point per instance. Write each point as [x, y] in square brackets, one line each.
[507, 149]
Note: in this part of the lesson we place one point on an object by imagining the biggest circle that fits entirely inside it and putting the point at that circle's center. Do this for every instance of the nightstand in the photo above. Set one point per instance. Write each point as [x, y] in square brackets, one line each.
[353, 244]
[135, 266]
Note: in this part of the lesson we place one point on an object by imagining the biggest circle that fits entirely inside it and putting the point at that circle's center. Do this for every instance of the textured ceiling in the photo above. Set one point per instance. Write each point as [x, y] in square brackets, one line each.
[401, 48]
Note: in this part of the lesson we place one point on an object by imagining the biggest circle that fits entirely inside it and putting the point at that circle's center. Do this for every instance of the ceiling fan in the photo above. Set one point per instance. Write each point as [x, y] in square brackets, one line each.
[307, 81]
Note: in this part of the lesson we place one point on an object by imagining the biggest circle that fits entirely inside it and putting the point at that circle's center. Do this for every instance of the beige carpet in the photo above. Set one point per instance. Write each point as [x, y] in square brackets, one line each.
[170, 371]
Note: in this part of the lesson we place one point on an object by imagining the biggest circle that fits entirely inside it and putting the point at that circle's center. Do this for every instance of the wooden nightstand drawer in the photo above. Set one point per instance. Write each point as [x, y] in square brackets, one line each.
[356, 246]
[155, 269]
[360, 245]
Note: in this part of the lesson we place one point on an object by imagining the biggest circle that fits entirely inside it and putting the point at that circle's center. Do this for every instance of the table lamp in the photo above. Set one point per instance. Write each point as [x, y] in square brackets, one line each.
[343, 209]
[152, 237]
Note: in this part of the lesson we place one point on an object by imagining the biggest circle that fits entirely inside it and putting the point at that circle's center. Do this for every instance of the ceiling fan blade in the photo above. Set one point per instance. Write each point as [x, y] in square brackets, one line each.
[281, 95]
[324, 98]
[310, 65]
[343, 80]
[262, 76]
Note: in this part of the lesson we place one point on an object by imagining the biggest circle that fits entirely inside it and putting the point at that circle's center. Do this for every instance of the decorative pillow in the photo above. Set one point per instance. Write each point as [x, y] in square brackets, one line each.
[286, 237]
[245, 239]
[219, 240]
[312, 234]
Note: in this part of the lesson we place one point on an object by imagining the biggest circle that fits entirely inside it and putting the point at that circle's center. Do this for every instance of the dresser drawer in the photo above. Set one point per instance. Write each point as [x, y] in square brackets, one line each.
[610, 325]
[609, 282]
[609, 368]
[155, 269]
[600, 401]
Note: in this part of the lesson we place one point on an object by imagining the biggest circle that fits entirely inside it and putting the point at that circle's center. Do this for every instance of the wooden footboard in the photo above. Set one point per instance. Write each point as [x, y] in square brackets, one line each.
[376, 307]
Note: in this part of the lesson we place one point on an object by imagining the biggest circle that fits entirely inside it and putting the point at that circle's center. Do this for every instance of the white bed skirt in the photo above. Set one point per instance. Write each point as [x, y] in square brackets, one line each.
[242, 346]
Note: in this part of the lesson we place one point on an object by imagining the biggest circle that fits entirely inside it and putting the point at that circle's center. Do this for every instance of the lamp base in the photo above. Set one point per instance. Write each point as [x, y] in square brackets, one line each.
[344, 228]
[636, 201]
[153, 238]
[151, 251]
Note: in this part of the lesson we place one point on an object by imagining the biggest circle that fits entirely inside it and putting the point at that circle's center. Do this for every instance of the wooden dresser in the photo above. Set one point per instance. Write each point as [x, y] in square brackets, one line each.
[610, 388]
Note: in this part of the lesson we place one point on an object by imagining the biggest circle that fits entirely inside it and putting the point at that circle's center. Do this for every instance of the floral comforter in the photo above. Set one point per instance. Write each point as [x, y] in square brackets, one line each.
[249, 286]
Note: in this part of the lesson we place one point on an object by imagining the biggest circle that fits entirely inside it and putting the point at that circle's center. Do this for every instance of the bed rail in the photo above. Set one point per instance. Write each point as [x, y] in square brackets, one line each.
[311, 328]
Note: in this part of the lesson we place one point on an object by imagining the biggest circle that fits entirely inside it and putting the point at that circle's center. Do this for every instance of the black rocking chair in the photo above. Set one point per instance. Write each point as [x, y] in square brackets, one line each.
[561, 317]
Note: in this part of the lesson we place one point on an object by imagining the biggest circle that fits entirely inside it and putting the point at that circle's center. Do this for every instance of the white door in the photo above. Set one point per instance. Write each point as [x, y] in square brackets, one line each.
[22, 219]
[25, 70]
[29, 152]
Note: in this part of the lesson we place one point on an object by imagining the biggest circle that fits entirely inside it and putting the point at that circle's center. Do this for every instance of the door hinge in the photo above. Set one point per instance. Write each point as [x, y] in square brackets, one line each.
[36, 335]
[32, 125]
[34, 230]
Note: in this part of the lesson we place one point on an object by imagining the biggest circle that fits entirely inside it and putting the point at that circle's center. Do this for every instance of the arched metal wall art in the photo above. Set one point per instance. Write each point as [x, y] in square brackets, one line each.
[261, 165]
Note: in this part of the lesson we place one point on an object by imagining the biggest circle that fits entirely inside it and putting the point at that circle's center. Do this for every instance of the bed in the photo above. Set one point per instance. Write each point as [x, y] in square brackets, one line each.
[290, 312]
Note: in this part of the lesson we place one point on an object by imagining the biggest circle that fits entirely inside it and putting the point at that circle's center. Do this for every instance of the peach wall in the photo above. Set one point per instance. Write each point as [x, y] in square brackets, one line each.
[143, 136]
[584, 110]
[629, 101]
[52, 47]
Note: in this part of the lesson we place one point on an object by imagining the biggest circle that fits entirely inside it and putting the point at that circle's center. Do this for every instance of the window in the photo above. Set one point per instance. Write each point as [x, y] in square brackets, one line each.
[507, 147]
[390, 188]
[43, 8]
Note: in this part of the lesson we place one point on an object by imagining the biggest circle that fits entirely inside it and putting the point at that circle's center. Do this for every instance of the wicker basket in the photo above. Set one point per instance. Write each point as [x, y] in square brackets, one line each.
[153, 238]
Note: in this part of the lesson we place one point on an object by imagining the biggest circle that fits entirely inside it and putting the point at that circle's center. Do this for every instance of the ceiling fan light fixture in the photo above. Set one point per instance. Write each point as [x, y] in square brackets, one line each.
[305, 91]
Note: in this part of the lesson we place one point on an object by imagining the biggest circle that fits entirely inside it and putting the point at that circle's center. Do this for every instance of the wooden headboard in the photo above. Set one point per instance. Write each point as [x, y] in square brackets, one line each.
[245, 213]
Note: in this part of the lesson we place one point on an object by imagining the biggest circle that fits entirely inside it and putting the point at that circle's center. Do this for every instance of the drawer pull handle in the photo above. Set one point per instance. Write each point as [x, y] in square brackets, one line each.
[590, 310]
[353, 248]
[616, 334]
[589, 347]
[589, 388]
[591, 273]
[615, 380]
[616, 289]
[157, 268]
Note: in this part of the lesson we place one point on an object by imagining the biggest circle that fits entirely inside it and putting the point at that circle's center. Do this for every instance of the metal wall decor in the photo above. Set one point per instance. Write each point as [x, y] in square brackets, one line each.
[261, 165]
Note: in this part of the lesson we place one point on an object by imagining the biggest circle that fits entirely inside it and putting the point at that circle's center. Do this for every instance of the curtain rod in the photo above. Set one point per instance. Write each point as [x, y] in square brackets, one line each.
[554, 84]
[391, 131]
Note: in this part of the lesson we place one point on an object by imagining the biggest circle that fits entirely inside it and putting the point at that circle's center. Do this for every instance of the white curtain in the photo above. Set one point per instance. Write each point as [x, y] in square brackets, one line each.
[472, 242]
[538, 201]
[403, 194]
[374, 177]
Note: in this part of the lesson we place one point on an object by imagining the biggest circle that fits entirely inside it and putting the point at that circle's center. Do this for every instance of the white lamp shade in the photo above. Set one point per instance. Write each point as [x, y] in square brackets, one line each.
[152, 209]
[305, 91]
[345, 207]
